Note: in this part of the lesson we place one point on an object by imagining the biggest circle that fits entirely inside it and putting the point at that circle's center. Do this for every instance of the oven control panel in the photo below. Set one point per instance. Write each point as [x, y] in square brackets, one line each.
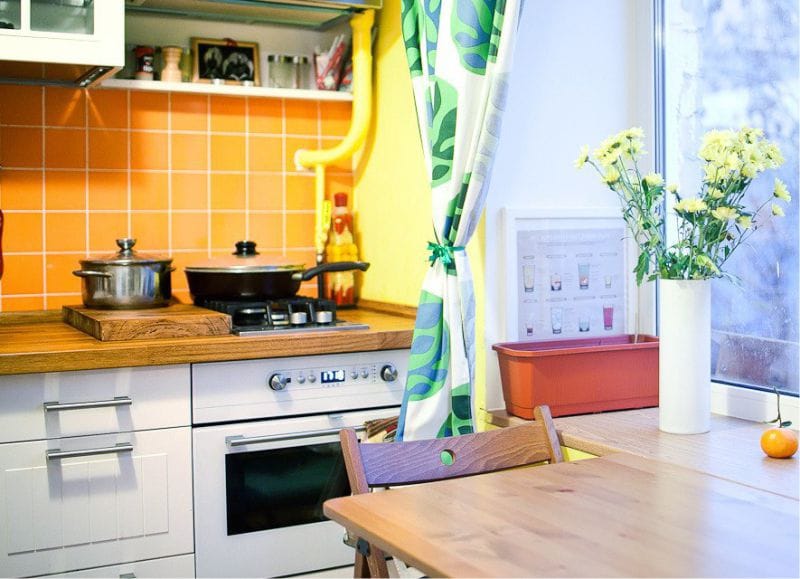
[249, 389]
[331, 377]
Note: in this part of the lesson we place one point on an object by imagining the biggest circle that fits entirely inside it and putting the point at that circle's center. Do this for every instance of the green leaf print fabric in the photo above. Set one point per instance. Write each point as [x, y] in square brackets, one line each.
[459, 56]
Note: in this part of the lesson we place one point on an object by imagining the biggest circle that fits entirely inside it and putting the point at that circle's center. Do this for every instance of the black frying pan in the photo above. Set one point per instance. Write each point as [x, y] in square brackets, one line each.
[247, 278]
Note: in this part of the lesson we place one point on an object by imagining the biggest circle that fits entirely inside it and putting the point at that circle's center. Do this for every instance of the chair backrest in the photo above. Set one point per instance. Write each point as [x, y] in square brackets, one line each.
[372, 465]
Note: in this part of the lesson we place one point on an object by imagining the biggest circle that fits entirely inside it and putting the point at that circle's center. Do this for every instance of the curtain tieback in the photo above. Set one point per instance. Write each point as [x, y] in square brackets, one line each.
[442, 252]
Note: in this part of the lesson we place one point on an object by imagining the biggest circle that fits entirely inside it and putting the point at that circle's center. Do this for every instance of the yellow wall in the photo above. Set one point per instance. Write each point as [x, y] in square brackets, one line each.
[392, 192]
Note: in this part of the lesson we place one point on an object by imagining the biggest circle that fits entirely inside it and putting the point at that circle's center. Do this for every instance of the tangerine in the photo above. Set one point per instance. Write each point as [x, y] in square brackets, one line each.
[779, 442]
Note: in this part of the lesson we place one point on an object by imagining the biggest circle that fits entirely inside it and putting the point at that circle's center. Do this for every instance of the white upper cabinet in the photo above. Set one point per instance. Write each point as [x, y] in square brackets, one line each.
[71, 42]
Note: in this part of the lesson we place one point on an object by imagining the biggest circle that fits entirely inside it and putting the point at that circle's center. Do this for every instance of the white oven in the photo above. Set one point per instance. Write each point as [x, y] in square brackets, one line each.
[266, 456]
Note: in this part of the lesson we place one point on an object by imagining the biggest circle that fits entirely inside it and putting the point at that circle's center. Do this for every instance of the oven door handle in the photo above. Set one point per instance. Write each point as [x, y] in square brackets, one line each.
[240, 440]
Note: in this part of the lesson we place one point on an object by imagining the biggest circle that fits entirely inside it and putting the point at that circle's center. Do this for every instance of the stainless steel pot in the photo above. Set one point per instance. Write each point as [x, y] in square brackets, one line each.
[126, 280]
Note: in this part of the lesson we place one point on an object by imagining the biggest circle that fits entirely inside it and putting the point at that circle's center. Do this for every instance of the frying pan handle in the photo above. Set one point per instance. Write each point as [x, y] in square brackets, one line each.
[333, 266]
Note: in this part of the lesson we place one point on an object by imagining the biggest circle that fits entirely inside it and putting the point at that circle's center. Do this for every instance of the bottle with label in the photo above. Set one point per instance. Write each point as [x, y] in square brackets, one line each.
[340, 285]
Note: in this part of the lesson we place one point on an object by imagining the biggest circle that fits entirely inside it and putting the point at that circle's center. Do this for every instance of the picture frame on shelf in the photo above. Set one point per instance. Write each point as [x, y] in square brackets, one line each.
[231, 61]
[567, 274]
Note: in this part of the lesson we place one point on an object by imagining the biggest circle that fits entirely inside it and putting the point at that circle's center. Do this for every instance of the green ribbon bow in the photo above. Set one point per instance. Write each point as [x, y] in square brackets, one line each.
[442, 252]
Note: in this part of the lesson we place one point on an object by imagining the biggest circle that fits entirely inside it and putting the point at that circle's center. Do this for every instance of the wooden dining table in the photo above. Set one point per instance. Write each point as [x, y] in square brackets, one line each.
[617, 515]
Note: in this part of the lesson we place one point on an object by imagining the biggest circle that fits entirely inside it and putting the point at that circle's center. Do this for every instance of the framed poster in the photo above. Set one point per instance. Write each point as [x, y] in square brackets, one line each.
[234, 62]
[567, 274]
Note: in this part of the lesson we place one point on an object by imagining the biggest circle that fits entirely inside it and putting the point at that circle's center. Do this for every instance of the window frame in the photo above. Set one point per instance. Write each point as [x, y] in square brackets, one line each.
[748, 401]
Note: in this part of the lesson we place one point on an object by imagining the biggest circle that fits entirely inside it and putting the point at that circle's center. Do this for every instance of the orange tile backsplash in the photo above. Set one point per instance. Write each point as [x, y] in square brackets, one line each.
[186, 174]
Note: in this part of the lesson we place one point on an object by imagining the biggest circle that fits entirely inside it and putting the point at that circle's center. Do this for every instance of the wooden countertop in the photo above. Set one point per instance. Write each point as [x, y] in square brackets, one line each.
[40, 342]
[729, 451]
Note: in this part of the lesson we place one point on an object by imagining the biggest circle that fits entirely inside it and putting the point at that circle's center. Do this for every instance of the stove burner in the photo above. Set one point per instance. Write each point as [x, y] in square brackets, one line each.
[293, 314]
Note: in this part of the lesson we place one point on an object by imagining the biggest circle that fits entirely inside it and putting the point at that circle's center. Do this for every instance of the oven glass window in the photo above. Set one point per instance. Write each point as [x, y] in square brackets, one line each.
[282, 487]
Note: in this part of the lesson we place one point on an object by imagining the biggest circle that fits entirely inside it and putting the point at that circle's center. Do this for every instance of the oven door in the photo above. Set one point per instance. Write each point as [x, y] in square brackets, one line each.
[259, 489]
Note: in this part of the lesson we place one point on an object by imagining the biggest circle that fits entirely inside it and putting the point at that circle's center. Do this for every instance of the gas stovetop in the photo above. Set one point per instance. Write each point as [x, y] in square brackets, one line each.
[298, 314]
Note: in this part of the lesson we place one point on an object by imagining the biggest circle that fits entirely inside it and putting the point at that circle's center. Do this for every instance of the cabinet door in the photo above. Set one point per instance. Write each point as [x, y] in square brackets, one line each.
[61, 404]
[132, 500]
[182, 566]
[68, 32]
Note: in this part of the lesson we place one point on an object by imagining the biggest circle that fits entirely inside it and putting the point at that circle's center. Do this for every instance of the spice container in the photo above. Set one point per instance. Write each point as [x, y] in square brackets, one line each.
[145, 56]
[281, 71]
[303, 66]
[171, 71]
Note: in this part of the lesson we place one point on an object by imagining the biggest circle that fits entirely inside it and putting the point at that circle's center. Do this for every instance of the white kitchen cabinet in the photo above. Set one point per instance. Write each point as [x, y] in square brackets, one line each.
[130, 501]
[181, 566]
[87, 35]
[95, 470]
[58, 404]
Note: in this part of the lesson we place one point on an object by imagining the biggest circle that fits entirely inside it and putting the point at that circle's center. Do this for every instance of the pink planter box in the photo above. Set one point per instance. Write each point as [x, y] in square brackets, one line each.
[579, 376]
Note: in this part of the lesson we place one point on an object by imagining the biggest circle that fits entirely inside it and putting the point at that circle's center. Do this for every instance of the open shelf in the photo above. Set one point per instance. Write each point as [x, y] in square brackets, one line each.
[229, 90]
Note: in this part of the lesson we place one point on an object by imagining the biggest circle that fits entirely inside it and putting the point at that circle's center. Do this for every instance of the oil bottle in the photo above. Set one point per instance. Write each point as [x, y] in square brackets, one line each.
[340, 285]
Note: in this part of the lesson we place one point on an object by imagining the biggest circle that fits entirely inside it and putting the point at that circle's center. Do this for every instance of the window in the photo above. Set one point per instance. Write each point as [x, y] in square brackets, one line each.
[727, 64]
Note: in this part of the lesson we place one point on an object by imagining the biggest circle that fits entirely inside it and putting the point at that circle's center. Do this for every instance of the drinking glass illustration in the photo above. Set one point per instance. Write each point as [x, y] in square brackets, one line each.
[555, 282]
[555, 319]
[583, 275]
[607, 280]
[608, 316]
[527, 277]
[583, 322]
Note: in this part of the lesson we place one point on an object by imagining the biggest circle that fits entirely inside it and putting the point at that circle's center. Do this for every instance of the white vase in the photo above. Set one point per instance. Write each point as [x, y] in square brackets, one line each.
[684, 361]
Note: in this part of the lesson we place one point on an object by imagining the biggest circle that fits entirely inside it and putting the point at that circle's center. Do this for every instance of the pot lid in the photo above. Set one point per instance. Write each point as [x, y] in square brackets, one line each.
[125, 256]
[245, 260]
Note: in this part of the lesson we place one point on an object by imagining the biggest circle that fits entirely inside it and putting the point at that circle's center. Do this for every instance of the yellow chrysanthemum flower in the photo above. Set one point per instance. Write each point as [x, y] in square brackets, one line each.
[611, 176]
[691, 205]
[781, 192]
[725, 213]
[715, 193]
[777, 210]
[583, 157]
[653, 179]
[745, 221]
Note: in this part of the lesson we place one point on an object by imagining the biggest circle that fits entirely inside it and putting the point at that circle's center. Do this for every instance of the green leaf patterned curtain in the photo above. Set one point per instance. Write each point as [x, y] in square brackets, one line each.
[459, 53]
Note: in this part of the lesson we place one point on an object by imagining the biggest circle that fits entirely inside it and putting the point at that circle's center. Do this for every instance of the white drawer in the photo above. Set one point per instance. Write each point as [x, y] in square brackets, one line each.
[128, 398]
[66, 514]
[182, 566]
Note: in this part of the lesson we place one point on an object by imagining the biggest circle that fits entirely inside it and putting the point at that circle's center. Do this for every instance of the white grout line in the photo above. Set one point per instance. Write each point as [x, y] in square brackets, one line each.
[44, 201]
[308, 174]
[284, 163]
[87, 239]
[128, 163]
[208, 175]
[247, 233]
[169, 172]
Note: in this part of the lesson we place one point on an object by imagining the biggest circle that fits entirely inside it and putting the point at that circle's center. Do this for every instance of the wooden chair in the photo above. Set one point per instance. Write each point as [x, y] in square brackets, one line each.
[372, 465]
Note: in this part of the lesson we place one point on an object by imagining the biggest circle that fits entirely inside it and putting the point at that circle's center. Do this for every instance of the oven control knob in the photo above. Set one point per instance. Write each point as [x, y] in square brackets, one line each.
[389, 373]
[278, 381]
[312, 378]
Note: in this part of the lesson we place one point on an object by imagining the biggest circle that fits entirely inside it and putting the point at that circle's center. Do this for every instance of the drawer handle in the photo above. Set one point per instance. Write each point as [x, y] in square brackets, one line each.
[130, 575]
[57, 454]
[240, 440]
[118, 401]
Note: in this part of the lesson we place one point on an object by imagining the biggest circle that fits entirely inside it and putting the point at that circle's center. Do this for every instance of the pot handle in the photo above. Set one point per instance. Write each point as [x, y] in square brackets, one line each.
[333, 266]
[87, 273]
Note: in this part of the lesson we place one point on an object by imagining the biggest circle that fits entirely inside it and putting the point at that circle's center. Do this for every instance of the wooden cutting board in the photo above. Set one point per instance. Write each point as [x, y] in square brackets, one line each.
[174, 321]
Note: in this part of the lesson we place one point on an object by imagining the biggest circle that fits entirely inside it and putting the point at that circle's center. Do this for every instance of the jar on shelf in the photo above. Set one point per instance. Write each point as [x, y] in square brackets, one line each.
[303, 66]
[281, 71]
[186, 65]
[145, 58]
[171, 72]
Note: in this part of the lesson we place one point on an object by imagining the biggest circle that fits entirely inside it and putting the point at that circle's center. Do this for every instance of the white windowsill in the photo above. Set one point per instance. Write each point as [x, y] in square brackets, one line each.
[752, 405]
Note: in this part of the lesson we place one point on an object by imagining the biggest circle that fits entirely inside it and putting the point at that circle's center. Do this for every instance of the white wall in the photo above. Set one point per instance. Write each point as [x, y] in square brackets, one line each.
[582, 71]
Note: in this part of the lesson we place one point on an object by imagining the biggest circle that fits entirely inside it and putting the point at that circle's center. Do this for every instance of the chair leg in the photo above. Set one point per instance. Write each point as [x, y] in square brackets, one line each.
[361, 567]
